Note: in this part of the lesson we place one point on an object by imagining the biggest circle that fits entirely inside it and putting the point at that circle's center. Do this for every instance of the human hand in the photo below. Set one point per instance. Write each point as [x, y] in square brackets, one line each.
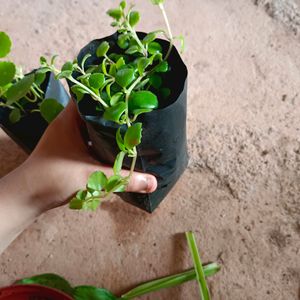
[56, 169]
[61, 163]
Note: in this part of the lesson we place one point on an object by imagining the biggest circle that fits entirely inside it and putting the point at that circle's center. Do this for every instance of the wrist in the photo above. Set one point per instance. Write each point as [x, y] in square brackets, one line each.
[17, 194]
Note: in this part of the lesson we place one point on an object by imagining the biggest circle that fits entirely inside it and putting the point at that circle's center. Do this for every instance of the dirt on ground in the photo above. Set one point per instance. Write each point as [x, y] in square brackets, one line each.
[241, 191]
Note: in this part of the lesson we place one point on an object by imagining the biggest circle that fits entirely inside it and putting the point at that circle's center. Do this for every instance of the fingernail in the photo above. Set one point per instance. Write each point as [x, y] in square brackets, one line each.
[147, 184]
[151, 184]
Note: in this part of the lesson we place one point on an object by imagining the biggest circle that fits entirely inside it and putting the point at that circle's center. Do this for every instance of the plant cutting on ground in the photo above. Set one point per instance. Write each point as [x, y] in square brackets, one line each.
[23, 94]
[198, 273]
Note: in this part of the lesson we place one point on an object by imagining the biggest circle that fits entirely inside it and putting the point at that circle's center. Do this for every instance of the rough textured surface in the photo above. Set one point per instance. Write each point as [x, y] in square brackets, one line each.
[241, 192]
[287, 11]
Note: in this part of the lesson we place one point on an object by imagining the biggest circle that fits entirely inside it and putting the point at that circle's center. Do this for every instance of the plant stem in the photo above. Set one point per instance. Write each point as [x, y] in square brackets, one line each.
[170, 35]
[133, 164]
[204, 292]
[35, 86]
[169, 281]
[134, 35]
[95, 96]
[5, 105]
[20, 107]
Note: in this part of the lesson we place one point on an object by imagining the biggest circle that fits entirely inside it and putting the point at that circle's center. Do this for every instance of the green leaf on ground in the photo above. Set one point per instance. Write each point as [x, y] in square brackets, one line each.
[204, 292]
[92, 293]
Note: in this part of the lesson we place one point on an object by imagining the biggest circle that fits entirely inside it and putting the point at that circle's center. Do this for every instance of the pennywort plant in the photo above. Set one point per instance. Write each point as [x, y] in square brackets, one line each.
[199, 273]
[22, 94]
[123, 85]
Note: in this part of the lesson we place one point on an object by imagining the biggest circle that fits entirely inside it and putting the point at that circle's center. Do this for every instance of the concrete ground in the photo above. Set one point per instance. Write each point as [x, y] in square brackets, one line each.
[241, 191]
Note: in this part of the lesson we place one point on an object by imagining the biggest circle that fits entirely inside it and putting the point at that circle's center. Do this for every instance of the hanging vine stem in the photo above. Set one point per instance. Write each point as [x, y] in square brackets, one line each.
[170, 35]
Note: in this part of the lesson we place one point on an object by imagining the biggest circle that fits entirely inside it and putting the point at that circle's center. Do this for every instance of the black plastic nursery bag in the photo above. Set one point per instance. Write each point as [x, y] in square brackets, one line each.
[28, 131]
[163, 150]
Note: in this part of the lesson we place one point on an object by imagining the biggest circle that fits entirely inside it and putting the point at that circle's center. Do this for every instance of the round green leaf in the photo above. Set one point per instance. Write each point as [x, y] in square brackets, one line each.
[7, 72]
[162, 67]
[118, 163]
[15, 116]
[123, 42]
[165, 92]
[102, 49]
[5, 44]
[78, 91]
[155, 80]
[97, 181]
[113, 182]
[123, 4]
[116, 98]
[157, 2]
[49, 280]
[154, 48]
[133, 136]
[124, 77]
[142, 64]
[39, 77]
[75, 203]
[92, 293]
[91, 204]
[120, 140]
[97, 80]
[50, 108]
[133, 49]
[20, 89]
[115, 13]
[150, 37]
[68, 66]
[120, 63]
[115, 112]
[142, 100]
[134, 18]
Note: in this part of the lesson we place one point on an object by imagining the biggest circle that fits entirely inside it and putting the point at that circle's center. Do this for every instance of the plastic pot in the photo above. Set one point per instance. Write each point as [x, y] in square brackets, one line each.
[163, 150]
[28, 131]
[31, 292]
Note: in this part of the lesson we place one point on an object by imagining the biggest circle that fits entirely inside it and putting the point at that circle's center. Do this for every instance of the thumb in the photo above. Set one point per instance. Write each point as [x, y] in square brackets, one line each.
[142, 183]
[138, 183]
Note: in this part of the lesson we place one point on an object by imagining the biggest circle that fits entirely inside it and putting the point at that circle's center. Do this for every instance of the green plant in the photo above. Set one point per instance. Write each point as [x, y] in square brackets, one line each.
[123, 87]
[199, 273]
[22, 94]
